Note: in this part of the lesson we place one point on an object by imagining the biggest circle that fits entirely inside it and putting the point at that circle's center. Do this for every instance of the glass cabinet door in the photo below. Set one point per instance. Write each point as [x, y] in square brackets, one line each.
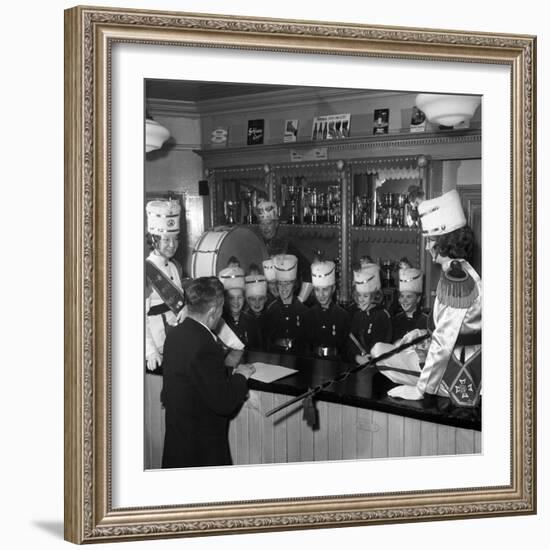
[363, 209]
[236, 194]
[385, 222]
[309, 194]
[311, 202]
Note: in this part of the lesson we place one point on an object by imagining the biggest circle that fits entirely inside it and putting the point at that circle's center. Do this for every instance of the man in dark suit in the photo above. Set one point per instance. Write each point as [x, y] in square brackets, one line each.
[199, 392]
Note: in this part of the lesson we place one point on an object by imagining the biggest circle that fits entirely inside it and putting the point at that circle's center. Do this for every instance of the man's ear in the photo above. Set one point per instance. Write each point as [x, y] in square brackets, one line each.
[210, 314]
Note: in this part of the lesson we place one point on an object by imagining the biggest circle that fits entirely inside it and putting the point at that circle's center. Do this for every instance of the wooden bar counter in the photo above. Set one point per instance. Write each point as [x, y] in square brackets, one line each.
[356, 419]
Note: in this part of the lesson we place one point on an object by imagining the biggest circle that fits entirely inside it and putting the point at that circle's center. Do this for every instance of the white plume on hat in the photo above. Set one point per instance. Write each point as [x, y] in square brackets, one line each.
[163, 217]
[367, 279]
[323, 273]
[269, 270]
[410, 280]
[442, 214]
[267, 211]
[232, 277]
[255, 285]
[286, 267]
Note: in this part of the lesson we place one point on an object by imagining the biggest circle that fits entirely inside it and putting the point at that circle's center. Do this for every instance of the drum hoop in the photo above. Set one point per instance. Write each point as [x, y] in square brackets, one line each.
[222, 235]
[224, 231]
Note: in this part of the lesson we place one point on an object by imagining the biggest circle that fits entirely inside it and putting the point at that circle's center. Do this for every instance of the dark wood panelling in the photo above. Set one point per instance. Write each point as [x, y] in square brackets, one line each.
[471, 202]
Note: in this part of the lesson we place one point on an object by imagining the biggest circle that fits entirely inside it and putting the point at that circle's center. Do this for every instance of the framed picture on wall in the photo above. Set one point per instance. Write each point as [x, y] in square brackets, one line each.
[418, 120]
[291, 130]
[255, 135]
[110, 494]
[331, 127]
[381, 121]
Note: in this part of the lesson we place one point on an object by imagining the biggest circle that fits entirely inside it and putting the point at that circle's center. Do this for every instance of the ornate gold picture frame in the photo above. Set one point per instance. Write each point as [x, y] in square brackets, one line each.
[90, 35]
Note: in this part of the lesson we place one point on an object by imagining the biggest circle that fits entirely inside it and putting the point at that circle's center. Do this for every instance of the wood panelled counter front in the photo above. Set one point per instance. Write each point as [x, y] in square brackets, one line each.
[345, 433]
[356, 419]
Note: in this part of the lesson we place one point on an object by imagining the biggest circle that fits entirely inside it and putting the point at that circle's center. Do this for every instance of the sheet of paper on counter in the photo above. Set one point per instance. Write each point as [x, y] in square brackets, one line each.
[269, 373]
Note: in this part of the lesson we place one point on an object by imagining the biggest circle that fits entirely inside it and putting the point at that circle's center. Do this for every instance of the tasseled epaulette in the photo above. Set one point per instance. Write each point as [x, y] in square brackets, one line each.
[457, 288]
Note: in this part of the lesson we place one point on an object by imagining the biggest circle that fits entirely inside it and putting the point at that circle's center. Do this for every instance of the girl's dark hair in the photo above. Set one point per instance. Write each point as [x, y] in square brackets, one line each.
[378, 297]
[254, 269]
[458, 244]
[152, 241]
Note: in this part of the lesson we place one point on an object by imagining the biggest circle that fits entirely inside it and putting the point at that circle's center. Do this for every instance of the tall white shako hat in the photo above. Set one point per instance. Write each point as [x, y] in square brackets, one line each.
[255, 285]
[367, 279]
[323, 273]
[269, 270]
[232, 277]
[286, 267]
[163, 217]
[410, 280]
[267, 211]
[441, 215]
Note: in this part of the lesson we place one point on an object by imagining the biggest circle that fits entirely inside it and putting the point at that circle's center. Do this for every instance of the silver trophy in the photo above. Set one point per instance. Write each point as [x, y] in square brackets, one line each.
[247, 200]
[293, 192]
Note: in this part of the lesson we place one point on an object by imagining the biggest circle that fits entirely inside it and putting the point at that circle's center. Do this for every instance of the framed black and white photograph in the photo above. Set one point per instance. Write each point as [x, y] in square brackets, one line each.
[291, 130]
[277, 335]
[418, 120]
[331, 127]
[255, 134]
[219, 136]
[381, 121]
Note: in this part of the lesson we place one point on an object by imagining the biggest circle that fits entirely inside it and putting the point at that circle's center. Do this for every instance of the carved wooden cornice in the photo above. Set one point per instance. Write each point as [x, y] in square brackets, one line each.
[385, 143]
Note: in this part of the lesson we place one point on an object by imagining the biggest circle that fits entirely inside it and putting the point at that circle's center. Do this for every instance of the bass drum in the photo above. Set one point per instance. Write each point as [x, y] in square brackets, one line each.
[215, 246]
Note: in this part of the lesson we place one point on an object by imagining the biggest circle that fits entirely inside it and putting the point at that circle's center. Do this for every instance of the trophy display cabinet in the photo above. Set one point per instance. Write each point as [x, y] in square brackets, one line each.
[358, 201]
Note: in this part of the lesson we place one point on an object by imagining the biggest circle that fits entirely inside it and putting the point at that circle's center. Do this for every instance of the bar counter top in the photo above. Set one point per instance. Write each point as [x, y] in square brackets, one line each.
[366, 389]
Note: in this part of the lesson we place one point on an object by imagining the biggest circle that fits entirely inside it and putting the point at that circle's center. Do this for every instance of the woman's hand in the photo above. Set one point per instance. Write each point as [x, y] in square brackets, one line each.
[411, 393]
[154, 360]
[362, 359]
[412, 335]
[182, 314]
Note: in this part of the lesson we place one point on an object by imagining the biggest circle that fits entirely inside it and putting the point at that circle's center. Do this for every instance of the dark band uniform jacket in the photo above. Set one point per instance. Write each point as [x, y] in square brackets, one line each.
[285, 324]
[247, 329]
[351, 309]
[402, 323]
[369, 327]
[199, 395]
[259, 319]
[327, 330]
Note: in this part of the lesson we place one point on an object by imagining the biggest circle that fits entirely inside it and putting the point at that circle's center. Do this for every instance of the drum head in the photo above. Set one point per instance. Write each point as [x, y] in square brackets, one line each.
[218, 245]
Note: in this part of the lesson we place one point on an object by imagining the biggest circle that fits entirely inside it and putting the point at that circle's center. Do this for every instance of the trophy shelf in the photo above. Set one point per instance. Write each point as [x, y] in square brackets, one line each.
[389, 235]
[443, 144]
[319, 231]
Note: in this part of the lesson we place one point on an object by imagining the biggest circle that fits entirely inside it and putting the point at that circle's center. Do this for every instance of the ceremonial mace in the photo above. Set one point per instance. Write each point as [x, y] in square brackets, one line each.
[310, 393]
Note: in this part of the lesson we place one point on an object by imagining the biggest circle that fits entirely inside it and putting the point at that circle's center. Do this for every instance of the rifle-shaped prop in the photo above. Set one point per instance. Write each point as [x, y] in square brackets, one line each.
[310, 413]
